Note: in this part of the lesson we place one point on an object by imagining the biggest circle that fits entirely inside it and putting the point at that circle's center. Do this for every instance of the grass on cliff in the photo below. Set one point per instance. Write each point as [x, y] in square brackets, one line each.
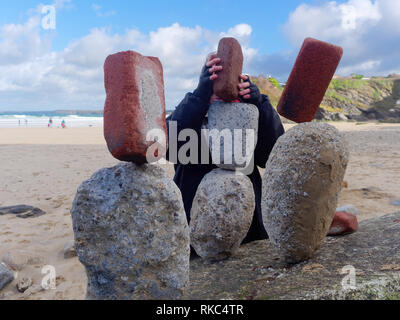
[345, 93]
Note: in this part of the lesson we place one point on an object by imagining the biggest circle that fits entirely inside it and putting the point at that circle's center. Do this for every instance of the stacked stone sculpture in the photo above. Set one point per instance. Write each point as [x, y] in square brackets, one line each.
[223, 208]
[301, 185]
[222, 213]
[135, 105]
[305, 171]
[231, 54]
[130, 226]
[310, 78]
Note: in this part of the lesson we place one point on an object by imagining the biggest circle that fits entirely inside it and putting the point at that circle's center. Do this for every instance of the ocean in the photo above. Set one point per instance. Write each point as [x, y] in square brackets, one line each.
[41, 119]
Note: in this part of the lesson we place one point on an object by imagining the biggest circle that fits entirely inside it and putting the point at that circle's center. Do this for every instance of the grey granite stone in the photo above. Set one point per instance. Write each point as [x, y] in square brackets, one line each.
[301, 185]
[226, 118]
[221, 214]
[131, 234]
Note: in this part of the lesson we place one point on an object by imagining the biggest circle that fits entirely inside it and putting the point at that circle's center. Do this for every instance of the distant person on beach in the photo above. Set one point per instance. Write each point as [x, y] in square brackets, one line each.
[192, 112]
[26, 122]
[63, 124]
[50, 123]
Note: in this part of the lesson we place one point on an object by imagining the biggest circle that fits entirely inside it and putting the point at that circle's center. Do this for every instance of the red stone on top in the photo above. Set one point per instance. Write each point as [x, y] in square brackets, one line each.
[226, 85]
[135, 105]
[310, 78]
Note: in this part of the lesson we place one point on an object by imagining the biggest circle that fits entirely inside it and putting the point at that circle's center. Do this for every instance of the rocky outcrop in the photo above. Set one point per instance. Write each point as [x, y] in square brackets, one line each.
[234, 132]
[135, 105]
[221, 214]
[131, 234]
[301, 184]
[257, 272]
[226, 85]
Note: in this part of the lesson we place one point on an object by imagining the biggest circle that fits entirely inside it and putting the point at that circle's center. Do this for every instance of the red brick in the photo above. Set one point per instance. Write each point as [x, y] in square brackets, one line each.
[343, 223]
[226, 86]
[310, 78]
[135, 104]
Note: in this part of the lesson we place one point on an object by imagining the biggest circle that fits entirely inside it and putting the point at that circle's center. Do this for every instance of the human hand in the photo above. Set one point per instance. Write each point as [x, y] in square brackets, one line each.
[208, 75]
[249, 92]
[213, 66]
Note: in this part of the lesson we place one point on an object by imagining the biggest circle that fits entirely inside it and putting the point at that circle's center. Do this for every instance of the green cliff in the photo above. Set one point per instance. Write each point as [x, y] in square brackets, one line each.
[375, 98]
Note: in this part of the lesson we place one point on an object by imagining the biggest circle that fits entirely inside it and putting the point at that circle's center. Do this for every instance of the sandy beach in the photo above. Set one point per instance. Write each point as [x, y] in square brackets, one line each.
[44, 167]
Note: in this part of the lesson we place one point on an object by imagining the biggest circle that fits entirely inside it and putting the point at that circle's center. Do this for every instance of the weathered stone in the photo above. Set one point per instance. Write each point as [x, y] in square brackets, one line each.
[310, 78]
[16, 260]
[301, 185]
[256, 272]
[343, 223]
[134, 106]
[6, 276]
[69, 250]
[221, 214]
[239, 123]
[24, 284]
[131, 234]
[226, 85]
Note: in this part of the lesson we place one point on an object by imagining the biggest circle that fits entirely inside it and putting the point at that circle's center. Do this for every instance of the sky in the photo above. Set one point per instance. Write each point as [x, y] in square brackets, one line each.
[52, 52]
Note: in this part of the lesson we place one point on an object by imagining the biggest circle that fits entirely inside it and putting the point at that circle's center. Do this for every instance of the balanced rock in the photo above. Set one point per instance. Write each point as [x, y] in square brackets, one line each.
[310, 78]
[135, 105]
[6, 276]
[301, 185]
[226, 85]
[233, 134]
[343, 223]
[221, 214]
[131, 234]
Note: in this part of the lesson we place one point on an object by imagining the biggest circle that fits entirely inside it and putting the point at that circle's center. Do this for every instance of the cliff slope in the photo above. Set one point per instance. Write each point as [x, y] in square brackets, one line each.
[375, 98]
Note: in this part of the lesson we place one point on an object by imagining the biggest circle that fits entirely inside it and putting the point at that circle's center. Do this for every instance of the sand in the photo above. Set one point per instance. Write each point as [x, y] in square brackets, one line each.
[44, 167]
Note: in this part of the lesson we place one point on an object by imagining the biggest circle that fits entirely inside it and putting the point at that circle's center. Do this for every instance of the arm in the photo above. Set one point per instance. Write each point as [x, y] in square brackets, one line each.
[191, 111]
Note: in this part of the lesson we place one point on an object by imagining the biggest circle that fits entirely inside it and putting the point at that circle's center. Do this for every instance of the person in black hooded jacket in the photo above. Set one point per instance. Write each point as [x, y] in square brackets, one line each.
[191, 113]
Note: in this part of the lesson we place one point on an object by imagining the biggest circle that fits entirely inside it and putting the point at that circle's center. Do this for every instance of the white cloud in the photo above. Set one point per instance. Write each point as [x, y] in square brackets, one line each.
[97, 9]
[33, 76]
[19, 43]
[367, 30]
